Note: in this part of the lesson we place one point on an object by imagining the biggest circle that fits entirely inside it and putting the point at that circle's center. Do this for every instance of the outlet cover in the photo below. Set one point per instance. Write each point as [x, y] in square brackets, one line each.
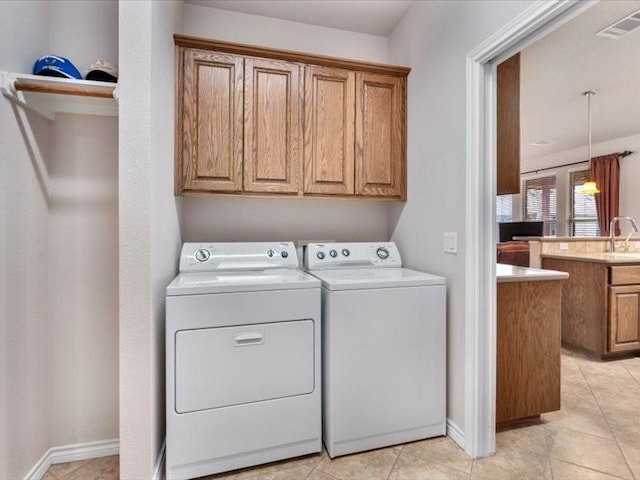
[564, 246]
[450, 242]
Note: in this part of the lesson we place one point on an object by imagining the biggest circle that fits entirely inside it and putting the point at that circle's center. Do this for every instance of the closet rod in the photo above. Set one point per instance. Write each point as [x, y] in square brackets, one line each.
[626, 153]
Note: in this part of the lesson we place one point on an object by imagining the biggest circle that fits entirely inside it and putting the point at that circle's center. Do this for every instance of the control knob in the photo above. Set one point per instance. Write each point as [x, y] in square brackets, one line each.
[333, 253]
[382, 253]
[346, 252]
[202, 255]
[270, 253]
[321, 255]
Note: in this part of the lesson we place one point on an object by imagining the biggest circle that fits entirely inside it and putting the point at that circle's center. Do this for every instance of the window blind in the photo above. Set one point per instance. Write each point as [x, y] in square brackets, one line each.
[583, 220]
[539, 201]
[504, 208]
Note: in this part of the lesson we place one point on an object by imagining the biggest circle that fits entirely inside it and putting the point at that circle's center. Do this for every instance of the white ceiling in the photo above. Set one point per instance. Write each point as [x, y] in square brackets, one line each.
[558, 68]
[375, 17]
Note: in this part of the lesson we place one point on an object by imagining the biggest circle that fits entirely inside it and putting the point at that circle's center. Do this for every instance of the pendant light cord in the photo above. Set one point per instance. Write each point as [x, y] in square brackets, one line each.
[588, 94]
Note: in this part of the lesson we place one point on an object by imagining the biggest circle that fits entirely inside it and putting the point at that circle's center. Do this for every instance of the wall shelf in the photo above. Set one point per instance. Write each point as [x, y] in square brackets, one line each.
[47, 96]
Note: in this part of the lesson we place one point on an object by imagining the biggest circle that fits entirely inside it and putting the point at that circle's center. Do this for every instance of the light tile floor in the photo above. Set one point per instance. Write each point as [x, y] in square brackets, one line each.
[595, 436]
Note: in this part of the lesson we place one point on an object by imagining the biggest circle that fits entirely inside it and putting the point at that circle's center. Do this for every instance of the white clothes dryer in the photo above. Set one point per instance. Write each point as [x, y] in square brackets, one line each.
[383, 347]
[242, 358]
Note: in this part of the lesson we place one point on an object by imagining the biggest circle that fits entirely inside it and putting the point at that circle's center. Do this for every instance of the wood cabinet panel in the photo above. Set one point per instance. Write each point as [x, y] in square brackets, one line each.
[380, 134]
[211, 110]
[625, 275]
[272, 126]
[528, 349]
[624, 318]
[584, 303]
[508, 125]
[329, 101]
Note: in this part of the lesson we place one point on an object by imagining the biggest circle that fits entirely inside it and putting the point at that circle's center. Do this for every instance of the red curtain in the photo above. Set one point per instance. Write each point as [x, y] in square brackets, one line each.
[605, 170]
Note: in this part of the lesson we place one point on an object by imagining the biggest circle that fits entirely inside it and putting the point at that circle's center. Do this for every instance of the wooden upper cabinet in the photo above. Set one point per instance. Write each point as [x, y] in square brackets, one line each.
[508, 126]
[272, 126]
[380, 136]
[210, 107]
[253, 120]
[329, 96]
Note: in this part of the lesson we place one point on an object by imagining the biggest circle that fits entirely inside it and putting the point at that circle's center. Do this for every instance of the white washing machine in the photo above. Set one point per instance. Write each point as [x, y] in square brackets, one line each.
[383, 347]
[242, 358]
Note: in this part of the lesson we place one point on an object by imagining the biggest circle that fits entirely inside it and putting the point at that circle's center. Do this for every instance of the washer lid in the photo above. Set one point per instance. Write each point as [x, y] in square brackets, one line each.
[363, 278]
[201, 283]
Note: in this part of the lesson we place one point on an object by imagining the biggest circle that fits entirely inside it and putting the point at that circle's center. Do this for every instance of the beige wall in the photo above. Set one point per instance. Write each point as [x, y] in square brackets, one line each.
[434, 38]
[83, 241]
[24, 434]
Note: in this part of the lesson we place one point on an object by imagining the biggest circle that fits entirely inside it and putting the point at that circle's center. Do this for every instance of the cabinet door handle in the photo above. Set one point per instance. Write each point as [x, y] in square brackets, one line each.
[244, 339]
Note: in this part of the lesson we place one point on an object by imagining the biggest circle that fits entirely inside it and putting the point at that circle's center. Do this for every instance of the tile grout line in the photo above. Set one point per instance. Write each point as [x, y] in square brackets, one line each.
[632, 375]
[589, 468]
[395, 463]
[436, 462]
[615, 437]
[546, 442]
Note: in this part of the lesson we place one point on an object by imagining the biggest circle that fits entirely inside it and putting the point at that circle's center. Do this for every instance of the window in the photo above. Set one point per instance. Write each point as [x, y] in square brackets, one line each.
[504, 208]
[583, 221]
[539, 201]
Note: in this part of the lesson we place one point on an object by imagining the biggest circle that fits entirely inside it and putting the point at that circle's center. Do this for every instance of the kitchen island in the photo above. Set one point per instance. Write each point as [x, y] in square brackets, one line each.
[528, 341]
[600, 302]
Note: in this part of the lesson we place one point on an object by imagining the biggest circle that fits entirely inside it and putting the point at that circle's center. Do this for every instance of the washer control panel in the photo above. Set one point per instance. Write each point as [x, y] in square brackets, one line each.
[209, 257]
[326, 256]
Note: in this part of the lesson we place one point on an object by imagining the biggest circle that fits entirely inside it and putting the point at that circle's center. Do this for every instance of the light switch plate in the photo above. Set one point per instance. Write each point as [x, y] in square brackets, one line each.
[450, 242]
[637, 245]
[564, 246]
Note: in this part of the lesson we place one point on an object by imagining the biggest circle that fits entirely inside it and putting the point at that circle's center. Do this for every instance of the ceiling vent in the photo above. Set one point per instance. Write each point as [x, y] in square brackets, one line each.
[621, 27]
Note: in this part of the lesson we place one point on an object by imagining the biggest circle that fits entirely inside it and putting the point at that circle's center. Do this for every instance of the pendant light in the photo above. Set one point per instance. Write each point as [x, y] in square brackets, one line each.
[590, 187]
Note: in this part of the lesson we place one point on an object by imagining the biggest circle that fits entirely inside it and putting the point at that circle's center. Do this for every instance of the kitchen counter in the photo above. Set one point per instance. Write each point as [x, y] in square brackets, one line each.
[513, 273]
[617, 258]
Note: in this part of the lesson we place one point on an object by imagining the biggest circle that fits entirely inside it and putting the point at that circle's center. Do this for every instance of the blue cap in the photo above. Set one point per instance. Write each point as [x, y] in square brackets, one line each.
[54, 66]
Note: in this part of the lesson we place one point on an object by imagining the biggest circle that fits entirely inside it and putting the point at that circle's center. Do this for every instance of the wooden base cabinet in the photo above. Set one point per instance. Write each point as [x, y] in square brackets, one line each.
[252, 120]
[624, 318]
[528, 349]
[600, 306]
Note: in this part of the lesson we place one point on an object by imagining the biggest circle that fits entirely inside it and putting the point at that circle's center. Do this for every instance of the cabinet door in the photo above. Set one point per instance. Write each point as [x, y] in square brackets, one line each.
[380, 133]
[329, 106]
[272, 126]
[211, 112]
[508, 126]
[624, 318]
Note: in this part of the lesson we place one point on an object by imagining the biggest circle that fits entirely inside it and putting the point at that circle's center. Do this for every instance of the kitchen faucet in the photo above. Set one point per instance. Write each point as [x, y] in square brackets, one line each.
[612, 237]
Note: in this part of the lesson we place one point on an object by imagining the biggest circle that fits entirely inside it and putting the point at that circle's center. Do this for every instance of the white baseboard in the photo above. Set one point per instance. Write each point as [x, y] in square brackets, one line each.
[159, 467]
[455, 433]
[72, 453]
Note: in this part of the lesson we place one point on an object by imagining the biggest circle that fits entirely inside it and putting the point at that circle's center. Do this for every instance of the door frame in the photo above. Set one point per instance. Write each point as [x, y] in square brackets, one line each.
[480, 259]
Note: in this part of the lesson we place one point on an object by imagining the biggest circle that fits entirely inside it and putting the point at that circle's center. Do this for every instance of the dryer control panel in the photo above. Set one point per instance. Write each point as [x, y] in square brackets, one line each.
[213, 257]
[327, 256]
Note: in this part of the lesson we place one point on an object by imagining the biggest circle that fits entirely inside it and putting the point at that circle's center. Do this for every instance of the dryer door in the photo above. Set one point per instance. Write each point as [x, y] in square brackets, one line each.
[225, 366]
